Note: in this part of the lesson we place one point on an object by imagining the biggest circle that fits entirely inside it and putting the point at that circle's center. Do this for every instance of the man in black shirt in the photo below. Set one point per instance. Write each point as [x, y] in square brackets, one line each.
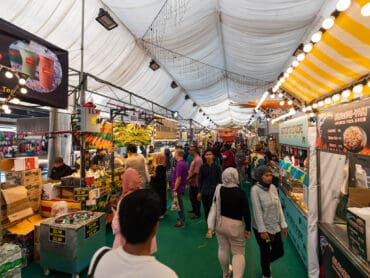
[60, 169]
[209, 178]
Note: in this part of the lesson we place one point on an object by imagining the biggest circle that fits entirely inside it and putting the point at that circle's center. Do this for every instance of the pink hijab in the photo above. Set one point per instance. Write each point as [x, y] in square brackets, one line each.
[131, 182]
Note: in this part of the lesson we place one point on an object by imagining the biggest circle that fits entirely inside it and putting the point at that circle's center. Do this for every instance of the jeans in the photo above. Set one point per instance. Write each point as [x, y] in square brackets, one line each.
[193, 199]
[181, 211]
[269, 252]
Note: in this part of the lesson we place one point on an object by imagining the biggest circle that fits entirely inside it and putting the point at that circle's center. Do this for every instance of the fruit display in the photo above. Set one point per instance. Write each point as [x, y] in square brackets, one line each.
[131, 133]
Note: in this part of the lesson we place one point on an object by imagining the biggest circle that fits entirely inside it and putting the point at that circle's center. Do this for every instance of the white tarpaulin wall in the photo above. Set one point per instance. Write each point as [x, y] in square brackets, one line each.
[218, 51]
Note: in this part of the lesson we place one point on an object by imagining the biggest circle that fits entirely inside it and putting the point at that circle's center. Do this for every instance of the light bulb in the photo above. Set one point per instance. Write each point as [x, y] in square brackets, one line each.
[316, 37]
[358, 89]
[327, 100]
[304, 109]
[275, 89]
[309, 108]
[314, 106]
[320, 103]
[312, 114]
[307, 47]
[22, 81]
[15, 100]
[346, 93]
[5, 106]
[273, 96]
[295, 63]
[301, 57]
[292, 111]
[290, 102]
[286, 75]
[336, 97]
[280, 95]
[365, 11]
[282, 79]
[328, 23]
[24, 91]
[289, 70]
[8, 111]
[343, 5]
[282, 103]
[9, 74]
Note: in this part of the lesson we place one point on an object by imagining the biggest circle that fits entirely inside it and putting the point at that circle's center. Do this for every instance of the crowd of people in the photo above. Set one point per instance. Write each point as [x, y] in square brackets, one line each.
[213, 177]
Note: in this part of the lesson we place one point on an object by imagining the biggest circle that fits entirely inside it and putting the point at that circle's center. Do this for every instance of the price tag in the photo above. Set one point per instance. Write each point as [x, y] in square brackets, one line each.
[92, 228]
[57, 234]
[81, 194]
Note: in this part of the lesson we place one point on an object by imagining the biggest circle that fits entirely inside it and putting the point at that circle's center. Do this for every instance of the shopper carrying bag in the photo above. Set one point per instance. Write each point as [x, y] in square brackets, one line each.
[268, 219]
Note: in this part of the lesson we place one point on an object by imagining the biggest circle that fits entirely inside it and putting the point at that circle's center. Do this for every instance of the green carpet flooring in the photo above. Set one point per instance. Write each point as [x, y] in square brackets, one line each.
[191, 255]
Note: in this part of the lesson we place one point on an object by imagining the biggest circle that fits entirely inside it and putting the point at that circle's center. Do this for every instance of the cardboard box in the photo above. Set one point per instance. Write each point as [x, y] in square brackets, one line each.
[7, 164]
[29, 177]
[358, 197]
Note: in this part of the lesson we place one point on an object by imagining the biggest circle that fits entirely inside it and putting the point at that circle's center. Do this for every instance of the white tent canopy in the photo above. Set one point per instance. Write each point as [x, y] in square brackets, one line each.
[217, 51]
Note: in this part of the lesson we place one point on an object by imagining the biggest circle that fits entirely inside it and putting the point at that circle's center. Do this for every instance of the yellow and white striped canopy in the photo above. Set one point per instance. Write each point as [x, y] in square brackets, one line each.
[339, 59]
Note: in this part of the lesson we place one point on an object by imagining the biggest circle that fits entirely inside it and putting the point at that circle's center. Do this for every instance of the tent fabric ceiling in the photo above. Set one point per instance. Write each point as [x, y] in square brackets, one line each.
[340, 58]
[218, 51]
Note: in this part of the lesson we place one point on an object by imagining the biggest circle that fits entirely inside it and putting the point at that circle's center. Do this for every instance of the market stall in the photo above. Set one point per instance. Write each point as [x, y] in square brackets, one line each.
[344, 171]
[295, 138]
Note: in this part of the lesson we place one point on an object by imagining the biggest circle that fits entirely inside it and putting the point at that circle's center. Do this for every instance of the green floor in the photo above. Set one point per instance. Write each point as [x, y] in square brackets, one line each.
[191, 255]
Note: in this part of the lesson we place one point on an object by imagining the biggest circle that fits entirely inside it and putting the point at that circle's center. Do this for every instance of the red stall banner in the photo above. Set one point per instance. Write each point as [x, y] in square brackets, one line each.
[32, 69]
[227, 134]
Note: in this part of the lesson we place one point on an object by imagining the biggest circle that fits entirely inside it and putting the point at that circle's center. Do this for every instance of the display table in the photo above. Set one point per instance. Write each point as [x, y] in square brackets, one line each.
[69, 247]
[297, 225]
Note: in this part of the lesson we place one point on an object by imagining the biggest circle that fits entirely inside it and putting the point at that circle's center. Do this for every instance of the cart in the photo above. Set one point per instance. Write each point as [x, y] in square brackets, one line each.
[69, 247]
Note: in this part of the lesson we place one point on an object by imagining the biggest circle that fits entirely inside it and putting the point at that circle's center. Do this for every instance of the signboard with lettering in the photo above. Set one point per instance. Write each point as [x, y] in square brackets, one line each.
[294, 132]
[92, 228]
[345, 129]
[81, 194]
[166, 129]
[356, 229]
[57, 234]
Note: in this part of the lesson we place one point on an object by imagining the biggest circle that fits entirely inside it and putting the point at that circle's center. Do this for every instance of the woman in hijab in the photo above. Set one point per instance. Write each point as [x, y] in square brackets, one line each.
[131, 182]
[230, 208]
[159, 180]
[268, 220]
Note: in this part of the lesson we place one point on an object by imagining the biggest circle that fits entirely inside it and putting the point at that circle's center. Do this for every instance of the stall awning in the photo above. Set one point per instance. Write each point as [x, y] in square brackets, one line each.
[339, 59]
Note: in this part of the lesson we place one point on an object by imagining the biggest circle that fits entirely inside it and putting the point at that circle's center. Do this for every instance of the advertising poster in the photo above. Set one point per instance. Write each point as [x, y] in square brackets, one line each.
[43, 66]
[165, 129]
[345, 129]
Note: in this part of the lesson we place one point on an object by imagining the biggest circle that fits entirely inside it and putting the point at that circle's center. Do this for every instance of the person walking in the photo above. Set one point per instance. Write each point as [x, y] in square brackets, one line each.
[139, 225]
[209, 178]
[178, 184]
[193, 181]
[159, 181]
[131, 182]
[137, 162]
[229, 208]
[268, 220]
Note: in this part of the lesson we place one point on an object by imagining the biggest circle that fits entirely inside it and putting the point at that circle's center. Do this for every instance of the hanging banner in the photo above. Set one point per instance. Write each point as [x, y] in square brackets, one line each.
[294, 132]
[43, 66]
[345, 129]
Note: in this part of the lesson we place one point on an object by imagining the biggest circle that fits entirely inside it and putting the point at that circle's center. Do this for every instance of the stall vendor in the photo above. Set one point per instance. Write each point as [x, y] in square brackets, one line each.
[60, 169]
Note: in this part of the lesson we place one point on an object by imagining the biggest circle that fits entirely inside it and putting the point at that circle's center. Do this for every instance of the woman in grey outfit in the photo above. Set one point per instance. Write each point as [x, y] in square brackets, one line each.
[268, 219]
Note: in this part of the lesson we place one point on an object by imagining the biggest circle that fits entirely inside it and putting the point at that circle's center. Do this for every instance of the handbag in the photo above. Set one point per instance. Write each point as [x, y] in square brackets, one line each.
[212, 215]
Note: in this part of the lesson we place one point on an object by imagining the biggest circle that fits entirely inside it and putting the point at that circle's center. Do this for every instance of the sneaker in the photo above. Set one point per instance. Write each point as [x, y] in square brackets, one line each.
[179, 225]
[194, 216]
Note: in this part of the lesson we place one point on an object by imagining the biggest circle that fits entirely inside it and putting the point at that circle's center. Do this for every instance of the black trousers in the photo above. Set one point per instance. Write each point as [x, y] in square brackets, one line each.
[269, 252]
[195, 204]
[161, 190]
[207, 203]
